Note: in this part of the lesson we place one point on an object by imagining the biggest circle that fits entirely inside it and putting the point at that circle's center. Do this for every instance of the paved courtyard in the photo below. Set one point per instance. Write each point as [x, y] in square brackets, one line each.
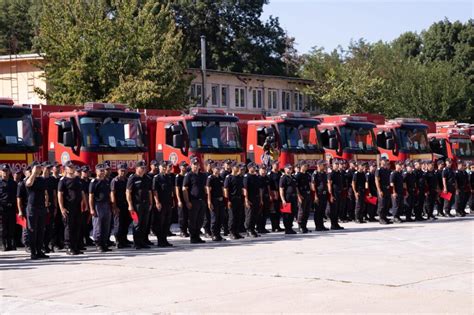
[410, 267]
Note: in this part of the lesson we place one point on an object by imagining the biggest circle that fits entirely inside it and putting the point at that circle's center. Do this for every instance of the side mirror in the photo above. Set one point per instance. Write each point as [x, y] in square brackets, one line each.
[389, 144]
[68, 139]
[178, 141]
[38, 139]
[176, 129]
[333, 143]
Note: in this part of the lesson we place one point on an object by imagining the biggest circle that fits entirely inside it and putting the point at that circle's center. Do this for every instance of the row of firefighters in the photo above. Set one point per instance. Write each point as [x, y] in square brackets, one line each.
[48, 207]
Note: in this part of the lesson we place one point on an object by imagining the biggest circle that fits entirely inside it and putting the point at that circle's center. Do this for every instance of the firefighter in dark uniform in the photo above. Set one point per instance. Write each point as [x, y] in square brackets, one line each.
[51, 188]
[215, 201]
[170, 176]
[420, 169]
[242, 172]
[371, 209]
[336, 184]
[264, 211]
[207, 217]
[431, 192]
[396, 182]
[410, 182]
[18, 178]
[163, 194]
[182, 209]
[226, 170]
[139, 199]
[350, 200]
[36, 210]
[100, 208]
[233, 186]
[152, 213]
[118, 187]
[382, 182]
[439, 176]
[58, 224]
[8, 188]
[22, 201]
[288, 194]
[358, 187]
[462, 186]
[253, 199]
[72, 201]
[194, 196]
[449, 185]
[86, 221]
[303, 188]
[319, 185]
[274, 175]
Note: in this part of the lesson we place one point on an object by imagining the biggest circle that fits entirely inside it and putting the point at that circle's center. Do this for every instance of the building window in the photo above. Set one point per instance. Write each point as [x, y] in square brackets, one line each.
[257, 97]
[215, 95]
[196, 93]
[239, 97]
[273, 99]
[285, 100]
[299, 104]
[224, 95]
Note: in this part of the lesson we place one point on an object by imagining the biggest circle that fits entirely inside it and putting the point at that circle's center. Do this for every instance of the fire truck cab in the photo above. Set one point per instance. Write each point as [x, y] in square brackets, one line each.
[20, 137]
[348, 137]
[403, 138]
[203, 133]
[449, 141]
[288, 137]
[96, 133]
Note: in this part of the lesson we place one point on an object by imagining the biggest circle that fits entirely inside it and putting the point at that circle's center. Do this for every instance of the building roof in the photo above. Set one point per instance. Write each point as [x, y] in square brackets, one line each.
[8, 58]
[262, 76]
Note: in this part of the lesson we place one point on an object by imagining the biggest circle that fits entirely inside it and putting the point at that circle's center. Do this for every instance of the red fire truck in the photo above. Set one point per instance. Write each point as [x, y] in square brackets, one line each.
[449, 141]
[288, 137]
[348, 137]
[204, 133]
[93, 134]
[403, 138]
[20, 137]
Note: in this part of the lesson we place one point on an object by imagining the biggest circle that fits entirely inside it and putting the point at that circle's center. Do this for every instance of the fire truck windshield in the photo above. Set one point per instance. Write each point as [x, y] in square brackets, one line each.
[358, 138]
[413, 139]
[298, 135]
[16, 131]
[111, 132]
[213, 135]
[462, 147]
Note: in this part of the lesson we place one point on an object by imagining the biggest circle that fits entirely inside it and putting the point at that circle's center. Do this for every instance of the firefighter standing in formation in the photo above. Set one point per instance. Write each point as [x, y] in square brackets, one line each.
[234, 195]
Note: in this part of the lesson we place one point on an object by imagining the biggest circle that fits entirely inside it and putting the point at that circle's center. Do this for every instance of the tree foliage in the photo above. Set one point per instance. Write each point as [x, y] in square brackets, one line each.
[237, 38]
[112, 50]
[430, 75]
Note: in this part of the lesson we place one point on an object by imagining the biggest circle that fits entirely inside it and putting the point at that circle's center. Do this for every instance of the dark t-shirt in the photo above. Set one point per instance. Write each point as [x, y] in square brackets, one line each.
[461, 179]
[370, 179]
[303, 181]
[216, 185]
[396, 178]
[410, 181]
[337, 182]
[274, 180]
[51, 187]
[195, 183]
[384, 178]
[163, 188]
[431, 181]
[359, 179]
[320, 181]
[36, 193]
[448, 174]
[288, 183]
[21, 191]
[8, 189]
[234, 185]
[119, 186]
[101, 190]
[252, 185]
[72, 191]
[264, 183]
[140, 187]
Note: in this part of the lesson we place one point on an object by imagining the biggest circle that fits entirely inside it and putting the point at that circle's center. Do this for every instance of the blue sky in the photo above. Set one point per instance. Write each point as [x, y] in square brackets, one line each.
[331, 23]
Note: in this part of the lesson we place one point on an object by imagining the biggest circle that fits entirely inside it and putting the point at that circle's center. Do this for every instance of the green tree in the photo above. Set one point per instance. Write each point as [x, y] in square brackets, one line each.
[17, 26]
[408, 45]
[237, 39]
[113, 50]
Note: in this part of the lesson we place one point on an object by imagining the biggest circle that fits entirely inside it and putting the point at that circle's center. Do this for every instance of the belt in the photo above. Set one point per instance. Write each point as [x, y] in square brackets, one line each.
[218, 198]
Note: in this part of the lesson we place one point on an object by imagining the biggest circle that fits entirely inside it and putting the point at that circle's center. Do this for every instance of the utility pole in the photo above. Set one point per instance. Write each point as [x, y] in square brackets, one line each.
[203, 70]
